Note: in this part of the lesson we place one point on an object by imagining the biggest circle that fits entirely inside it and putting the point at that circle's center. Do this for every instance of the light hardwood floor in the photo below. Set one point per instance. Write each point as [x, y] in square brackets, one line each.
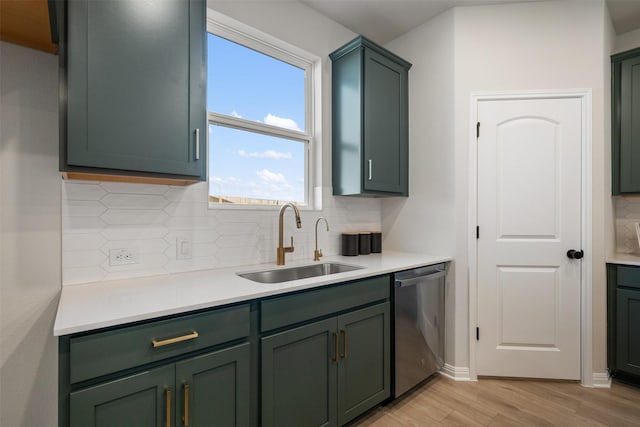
[500, 402]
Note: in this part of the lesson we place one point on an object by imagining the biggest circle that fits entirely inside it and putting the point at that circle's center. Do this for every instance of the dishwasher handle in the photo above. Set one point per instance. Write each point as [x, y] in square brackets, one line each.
[412, 277]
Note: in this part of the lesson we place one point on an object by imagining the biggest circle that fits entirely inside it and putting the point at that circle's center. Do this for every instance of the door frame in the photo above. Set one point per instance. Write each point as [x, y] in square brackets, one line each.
[586, 292]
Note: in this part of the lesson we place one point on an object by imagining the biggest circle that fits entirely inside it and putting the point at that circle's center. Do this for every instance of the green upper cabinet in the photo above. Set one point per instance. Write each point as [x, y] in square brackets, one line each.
[626, 122]
[370, 121]
[133, 88]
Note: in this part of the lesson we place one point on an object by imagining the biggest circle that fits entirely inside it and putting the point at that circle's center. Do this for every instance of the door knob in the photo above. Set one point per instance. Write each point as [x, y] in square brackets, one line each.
[573, 254]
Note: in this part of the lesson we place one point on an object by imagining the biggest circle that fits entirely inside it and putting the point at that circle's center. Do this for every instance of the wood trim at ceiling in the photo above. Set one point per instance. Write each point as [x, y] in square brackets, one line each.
[26, 23]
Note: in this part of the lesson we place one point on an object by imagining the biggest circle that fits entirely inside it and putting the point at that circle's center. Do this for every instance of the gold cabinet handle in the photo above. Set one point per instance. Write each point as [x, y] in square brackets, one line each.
[343, 355]
[185, 418]
[187, 337]
[167, 393]
[335, 347]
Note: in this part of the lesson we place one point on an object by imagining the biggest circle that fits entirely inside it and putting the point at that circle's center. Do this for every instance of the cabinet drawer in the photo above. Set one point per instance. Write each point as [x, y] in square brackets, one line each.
[106, 352]
[291, 309]
[628, 276]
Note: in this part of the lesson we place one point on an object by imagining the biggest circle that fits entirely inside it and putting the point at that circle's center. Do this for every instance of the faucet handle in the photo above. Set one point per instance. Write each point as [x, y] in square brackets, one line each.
[289, 248]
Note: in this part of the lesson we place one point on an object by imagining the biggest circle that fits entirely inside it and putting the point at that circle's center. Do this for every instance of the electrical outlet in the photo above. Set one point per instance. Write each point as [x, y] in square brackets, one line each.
[183, 248]
[122, 256]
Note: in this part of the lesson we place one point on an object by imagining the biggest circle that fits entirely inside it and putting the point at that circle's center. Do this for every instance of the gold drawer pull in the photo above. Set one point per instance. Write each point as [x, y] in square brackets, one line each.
[191, 336]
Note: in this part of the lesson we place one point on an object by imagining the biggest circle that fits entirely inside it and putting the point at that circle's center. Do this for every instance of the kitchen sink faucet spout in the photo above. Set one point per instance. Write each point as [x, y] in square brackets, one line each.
[317, 254]
[281, 250]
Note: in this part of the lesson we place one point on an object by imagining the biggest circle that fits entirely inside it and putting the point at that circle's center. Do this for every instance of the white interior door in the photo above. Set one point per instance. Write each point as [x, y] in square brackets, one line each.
[529, 216]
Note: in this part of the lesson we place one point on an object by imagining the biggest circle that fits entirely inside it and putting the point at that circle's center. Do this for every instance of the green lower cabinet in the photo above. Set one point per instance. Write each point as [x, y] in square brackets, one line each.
[364, 369]
[299, 376]
[328, 372]
[628, 331]
[141, 400]
[213, 389]
[210, 390]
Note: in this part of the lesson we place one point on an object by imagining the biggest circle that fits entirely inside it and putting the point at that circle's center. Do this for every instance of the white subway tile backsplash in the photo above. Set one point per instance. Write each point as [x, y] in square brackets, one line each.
[146, 261]
[134, 201]
[188, 209]
[192, 193]
[182, 222]
[82, 242]
[149, 218]
[124, 232]
[75, 259]
[81, 224]
[83, 208]
[627, 211]
[80, 191]
[125, 187]
[148, 246]
[134, 217]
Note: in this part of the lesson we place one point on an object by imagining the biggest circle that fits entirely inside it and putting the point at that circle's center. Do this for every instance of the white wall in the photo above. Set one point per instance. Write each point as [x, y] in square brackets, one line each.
[529, 46]
[29, 236]
[423, 222]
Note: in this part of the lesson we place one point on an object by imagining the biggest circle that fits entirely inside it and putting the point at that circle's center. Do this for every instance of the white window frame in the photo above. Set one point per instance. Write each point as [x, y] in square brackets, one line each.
[237, 32]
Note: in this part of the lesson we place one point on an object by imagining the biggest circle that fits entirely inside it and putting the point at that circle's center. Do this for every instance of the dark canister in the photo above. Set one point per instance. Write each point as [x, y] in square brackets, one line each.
[350, 244]
[364, 241]
[376, 242]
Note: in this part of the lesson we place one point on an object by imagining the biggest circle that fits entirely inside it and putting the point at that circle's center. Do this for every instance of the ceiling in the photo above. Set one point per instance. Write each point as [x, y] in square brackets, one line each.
[384, 20]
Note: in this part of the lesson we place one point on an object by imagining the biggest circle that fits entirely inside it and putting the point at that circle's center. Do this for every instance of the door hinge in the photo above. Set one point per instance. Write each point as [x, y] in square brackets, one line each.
[477, 231]
[478, 130]
[477, 334]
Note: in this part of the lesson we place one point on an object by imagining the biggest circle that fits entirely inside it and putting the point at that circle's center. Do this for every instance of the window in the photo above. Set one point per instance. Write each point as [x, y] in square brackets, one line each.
[259, 104]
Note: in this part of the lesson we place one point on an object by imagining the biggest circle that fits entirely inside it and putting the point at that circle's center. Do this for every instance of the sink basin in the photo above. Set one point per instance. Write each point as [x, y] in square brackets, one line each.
[295, 273]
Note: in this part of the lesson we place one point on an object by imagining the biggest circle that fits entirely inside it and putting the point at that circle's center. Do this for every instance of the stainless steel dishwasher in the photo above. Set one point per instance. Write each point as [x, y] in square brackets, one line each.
[419, 325]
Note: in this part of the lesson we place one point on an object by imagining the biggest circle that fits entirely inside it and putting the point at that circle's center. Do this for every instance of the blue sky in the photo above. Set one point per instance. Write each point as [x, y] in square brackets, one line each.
[248, 84]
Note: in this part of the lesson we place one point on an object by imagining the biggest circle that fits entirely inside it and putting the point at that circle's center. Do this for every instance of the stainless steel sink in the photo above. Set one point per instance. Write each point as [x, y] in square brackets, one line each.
[295, 273]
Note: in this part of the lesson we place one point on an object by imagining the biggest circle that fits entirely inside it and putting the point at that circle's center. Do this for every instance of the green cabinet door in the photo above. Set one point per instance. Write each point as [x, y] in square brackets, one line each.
[628, 333]
[213, 389]
[370, 121]
[135, 87]
[364, 369]
[385, 124]
[626, 122]
[299, 376]
[141, 400]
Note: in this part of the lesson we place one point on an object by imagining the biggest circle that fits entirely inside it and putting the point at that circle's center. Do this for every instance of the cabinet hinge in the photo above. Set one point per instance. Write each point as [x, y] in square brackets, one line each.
[478, 130]
[477, 334]
[477, 231]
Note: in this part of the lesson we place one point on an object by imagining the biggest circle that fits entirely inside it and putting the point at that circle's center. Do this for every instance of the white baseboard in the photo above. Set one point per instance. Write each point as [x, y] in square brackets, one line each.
[601, 380]
[455, 373]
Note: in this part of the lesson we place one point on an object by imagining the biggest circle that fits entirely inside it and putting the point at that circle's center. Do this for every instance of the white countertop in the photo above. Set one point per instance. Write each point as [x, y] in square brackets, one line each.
[625, 259]
[102, 304]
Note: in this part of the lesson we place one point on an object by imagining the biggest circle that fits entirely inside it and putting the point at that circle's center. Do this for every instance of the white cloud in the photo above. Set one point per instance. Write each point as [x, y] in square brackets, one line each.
[235, 114]
[271, 177]
[269, 154]
[267, 185]
[282, 122]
